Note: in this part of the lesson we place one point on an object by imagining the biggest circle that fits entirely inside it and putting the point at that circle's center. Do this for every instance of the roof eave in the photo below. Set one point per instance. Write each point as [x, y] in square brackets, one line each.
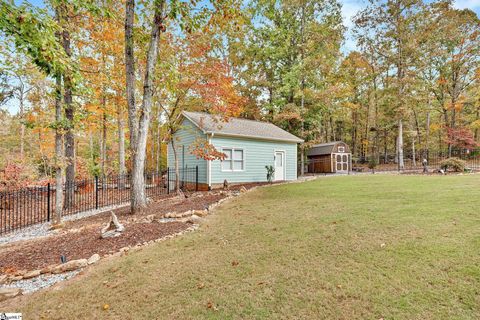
[298, 140]
[194, 122]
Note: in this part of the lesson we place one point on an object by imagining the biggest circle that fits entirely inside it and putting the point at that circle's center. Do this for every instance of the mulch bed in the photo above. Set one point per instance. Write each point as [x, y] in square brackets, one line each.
[47, 251]
[157, 207]
[81, 238]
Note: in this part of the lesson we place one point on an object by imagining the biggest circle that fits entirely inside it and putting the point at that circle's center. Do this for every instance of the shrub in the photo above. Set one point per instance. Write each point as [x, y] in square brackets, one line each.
[455, 164]
[270, 172]
[372, 164]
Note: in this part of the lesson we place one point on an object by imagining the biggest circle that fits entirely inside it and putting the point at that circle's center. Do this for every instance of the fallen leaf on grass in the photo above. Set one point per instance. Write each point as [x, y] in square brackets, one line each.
[210, 305]
[235, 263]
[201, 285]
[106, 307]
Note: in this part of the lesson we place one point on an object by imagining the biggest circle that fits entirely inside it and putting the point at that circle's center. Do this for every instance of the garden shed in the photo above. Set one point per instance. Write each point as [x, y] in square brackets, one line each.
[248, 146]
[332, 157]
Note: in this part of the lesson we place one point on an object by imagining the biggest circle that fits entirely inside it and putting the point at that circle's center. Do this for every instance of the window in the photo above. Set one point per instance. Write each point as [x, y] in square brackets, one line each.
[279, 160]
[341, 149]
[234, 160]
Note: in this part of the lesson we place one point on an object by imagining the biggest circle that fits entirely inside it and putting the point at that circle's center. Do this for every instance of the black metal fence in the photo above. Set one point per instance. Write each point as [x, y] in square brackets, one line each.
[31, 205]
[388, 163]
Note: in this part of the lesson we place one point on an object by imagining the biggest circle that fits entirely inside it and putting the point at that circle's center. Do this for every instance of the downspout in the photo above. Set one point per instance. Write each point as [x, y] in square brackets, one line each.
[209, 165]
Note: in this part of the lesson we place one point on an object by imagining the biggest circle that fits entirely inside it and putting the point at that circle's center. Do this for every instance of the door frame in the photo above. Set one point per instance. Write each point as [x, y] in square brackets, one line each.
[347, 162]
[284, 163]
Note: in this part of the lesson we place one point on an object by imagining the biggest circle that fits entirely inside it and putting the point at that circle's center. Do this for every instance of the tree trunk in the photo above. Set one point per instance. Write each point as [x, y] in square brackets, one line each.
[103, 151]
[414, 160]
[130, 74]
[477, 117]
[401, 163]
[22, 125]
[138, 198]
[427, 137]
[122, 169]
[177, 169]
[59, 161]
[69, 134]
[159, 145]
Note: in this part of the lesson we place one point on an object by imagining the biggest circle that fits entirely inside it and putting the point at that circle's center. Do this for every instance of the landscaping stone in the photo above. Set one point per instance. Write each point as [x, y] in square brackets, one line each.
[7, 293]
[70, 266]
[48, 269]
[201, 213]
[57, 226]
[93, 259]
[40, 282]
[113, 229]
[14, 278]
[193, 219]
[32, 274]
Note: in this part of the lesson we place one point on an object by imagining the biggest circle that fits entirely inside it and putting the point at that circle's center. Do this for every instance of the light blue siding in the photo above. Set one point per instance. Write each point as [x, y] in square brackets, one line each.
[183, 139]
[257, 154]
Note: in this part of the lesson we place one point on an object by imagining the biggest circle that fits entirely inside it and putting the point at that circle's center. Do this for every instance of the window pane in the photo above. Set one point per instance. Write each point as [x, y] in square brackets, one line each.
[238, 165]
[279, 160]
[226, 165]
[345, 158]
[339, 158]
[238, 155]
[228, 153]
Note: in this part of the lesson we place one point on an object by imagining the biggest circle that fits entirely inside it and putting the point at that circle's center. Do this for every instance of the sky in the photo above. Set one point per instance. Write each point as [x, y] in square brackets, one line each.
[349, 9]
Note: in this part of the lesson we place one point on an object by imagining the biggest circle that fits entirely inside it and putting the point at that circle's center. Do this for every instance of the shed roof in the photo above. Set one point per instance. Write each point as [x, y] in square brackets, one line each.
[322, 148]
[238, 127]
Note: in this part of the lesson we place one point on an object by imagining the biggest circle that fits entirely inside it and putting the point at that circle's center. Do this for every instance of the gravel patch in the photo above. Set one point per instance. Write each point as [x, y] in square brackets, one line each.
[40, 282]
[35, 231]
[90, 213]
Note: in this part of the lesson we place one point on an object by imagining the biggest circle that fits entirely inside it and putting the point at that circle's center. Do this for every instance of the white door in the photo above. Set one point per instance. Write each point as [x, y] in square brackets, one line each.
[279, 165]
[341, 162]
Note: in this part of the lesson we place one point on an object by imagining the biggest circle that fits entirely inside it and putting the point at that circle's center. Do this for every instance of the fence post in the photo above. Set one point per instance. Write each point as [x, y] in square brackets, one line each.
[196, 178]
[168, 180]
[96, 192]
[48, 202]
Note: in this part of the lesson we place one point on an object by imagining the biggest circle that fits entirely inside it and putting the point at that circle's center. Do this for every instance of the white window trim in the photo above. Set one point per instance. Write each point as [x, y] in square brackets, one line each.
[244, 160]
[341, 149]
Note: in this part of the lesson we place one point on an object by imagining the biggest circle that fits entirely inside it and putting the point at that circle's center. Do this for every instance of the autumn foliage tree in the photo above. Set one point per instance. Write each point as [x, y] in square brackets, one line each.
[200, 81]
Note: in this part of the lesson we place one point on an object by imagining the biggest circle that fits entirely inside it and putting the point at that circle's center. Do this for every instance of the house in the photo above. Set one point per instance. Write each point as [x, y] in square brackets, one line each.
[333, 157]
[249, 146]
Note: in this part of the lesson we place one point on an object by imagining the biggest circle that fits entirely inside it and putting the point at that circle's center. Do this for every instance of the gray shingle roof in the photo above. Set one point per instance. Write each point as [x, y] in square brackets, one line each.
[323, 148]
[239, 127]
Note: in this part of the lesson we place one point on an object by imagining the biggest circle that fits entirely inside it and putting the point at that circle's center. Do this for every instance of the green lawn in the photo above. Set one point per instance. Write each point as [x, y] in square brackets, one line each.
[353, 247]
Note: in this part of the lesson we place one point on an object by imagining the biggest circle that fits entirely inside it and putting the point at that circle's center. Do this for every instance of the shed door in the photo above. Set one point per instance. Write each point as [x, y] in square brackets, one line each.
[279, 165]
[341, 162]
